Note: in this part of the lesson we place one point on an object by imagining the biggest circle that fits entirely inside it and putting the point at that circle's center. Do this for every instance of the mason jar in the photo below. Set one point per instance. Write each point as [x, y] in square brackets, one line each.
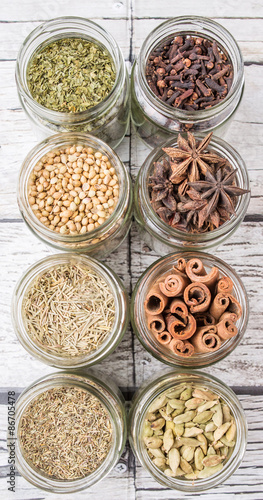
[156, 121]
[61, 359]
[103, 239]
[163, 238]
[107, 120]
[155, 387]
[162, 267]
[108, 395]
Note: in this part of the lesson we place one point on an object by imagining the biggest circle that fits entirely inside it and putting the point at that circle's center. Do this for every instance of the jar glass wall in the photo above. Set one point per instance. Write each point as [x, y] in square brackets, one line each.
[163, 238]
[156, 121]
[107, 120]
[172, 379]
[139, 321]
[109, 396]
[100, 241]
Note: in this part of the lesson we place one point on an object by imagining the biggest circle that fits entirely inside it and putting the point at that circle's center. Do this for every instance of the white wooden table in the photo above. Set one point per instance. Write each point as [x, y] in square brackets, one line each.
[130, 365]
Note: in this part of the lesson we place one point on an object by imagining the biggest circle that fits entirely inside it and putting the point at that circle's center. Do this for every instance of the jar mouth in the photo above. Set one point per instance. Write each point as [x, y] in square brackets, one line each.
[56, 29]
[67, 139]
[195, 26]
[173, 235]
[47, 355]
[157, 386]
[98, 388]
[139, 321]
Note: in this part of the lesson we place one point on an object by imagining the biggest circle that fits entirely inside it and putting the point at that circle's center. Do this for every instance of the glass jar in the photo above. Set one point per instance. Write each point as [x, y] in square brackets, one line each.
[163, 238]
[109, 119]
[109, 396]
[139, 321]
[156, 121]
[114, 337]
[102, 240]
[155, 387]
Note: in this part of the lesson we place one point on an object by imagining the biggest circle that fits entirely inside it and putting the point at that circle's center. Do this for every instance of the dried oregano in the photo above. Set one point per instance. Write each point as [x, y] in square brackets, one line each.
[189, 431]
[66, 433]
[71, 75]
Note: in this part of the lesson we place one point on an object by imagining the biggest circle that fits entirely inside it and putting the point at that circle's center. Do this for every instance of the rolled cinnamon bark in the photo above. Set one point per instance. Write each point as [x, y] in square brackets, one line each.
[174, 285]
[234, 306]
[197, 273]
[155, 301]
[164, 338]
[198, 297]
[178, 307]
[224, 285]
[206, 339]
[230, 316]
[219, 305]
[180, 330]
[204, 319]
[181, 348]
[181, 263]
[156, 323]
[226, 329]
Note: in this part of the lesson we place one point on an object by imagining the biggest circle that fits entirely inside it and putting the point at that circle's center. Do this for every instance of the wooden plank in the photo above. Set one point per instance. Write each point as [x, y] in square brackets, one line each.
[215, 9]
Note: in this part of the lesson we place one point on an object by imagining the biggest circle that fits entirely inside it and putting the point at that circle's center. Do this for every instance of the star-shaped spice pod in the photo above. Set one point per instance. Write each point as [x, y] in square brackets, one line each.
[194, 191]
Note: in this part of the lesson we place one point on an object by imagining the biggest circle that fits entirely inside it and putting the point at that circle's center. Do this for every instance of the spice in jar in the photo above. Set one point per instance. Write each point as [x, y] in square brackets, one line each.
[191, 311]
[73, 190]
[69, 310]
[188, 72]
[71, 75]
[194, 189]
[189, 432]
[66, 433]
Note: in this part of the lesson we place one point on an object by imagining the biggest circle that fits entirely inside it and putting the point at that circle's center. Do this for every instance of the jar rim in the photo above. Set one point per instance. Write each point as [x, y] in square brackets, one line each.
[206, 25]
[155, 223]
[63, 140]
[47, 27]
[138, 316]
[160, 383]
[107, 393]
[120, 320]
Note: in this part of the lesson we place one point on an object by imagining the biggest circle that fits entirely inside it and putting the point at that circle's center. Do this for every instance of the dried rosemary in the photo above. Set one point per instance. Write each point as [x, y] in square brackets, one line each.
[69, 310]
[71, 75]
[66, 433]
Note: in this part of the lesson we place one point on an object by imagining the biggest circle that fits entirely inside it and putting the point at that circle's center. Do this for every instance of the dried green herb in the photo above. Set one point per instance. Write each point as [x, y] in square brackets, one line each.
[69, 310]
[66, 433]
[71, 75]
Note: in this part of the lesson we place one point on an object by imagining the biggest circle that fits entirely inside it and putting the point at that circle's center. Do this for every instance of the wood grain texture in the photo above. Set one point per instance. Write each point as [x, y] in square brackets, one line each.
[130, 21]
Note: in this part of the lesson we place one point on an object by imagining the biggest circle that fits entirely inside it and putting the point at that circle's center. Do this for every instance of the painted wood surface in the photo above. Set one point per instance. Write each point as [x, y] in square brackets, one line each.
[130, 22]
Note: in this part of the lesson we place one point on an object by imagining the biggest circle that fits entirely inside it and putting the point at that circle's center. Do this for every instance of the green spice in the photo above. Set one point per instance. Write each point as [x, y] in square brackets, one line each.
[71, 75]
[69, 310]
[66, 433]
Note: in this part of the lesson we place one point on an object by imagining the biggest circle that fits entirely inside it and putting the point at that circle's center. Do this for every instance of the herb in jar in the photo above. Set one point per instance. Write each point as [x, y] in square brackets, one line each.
[73, 190]
[189, 432]
[69, 310]
[71, 75]
[66, 433]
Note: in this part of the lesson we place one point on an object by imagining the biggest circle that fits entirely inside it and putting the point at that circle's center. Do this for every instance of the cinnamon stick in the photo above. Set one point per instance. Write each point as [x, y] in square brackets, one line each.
[229, 316]
[204, 319]
[155, 301]
[197, 273]
[224, 285]
[164, 338]
[234, 306]
[156, 323]
[206, 339]
[198, 297]
[181, 348]
[226, 329]
[219, 305]
[179, 308]
[180, 330]
[174, 285]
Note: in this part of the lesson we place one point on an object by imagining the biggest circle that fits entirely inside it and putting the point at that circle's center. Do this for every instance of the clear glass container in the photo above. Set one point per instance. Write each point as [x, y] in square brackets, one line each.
[139, 321]
[109, 119]
[110, 397]
[155, 387]
[112, 340]
[163, 238]
[102, 240]
[156, 121]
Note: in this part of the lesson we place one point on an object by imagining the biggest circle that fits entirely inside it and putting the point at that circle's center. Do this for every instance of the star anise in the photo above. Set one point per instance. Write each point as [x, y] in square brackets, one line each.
[162, 187]
[220, 192]
[190, 159]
